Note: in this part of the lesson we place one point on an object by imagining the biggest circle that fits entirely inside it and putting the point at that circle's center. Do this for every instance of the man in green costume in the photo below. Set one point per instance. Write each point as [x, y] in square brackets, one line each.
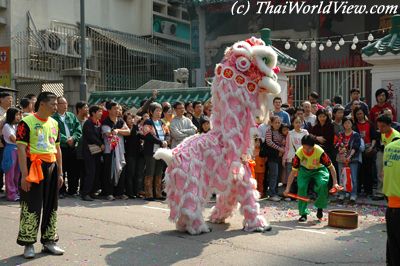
[39, 150]
[311, 163]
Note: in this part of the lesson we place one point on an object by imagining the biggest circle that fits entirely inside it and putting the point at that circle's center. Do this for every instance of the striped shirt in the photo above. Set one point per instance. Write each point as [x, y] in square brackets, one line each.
[274, 139]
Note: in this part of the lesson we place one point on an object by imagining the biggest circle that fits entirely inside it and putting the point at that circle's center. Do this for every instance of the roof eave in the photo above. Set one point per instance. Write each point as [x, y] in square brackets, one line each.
[378, 59]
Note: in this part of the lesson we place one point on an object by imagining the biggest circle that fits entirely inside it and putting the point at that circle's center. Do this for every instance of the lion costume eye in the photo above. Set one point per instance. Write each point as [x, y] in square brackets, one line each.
[243, 64]
[266, 60]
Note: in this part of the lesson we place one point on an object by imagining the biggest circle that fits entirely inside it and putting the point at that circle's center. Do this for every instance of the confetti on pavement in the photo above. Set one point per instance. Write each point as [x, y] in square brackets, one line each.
[283, 211]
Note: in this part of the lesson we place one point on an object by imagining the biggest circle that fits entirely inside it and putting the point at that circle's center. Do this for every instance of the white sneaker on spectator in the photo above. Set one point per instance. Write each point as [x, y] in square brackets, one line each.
[353, 198]
[110, 197]
[122, 197]
[288, 199]
[275, 198]
[341, 197]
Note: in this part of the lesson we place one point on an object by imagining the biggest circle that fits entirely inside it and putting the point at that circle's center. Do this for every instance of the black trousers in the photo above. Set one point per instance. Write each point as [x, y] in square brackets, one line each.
[393, 234]
[40, 200]
[1, 170]
[365, 176]
[70, 171]
[90, 183]
[81, 172]
[109, 187]
[134, 173]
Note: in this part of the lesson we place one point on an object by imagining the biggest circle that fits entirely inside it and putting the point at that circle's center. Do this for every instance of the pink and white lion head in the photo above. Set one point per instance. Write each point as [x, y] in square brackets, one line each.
[252, 66]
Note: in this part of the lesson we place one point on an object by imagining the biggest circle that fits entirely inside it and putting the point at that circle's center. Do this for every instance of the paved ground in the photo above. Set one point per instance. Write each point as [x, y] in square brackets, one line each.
[135, 232]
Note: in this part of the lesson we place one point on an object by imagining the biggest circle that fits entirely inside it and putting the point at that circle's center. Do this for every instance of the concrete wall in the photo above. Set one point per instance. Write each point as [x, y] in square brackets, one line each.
[131, 16]
[380, 74]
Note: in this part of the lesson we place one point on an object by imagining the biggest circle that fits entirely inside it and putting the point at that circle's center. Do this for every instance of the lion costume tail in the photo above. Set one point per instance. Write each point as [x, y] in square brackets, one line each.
[165, 155]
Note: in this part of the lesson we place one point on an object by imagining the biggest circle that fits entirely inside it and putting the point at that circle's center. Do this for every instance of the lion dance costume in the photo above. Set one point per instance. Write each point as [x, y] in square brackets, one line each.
[218, 162]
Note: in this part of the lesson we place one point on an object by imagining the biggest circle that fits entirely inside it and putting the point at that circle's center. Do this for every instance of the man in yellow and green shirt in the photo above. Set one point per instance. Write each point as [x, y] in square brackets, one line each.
[388, 133]
[311, 163]
[38, 142]
[391, 189]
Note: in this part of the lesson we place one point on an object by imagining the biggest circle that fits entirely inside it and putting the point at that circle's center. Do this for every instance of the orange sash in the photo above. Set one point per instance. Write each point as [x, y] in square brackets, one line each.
[394, 202]
[35, 172]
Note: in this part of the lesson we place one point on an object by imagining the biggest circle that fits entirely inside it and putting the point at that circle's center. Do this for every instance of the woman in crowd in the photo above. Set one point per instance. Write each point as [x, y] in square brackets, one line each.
[10, 156]
[337, 121]
[368, 134]
[167, 115]
[134, 154]
[207, 109]
[92, 146]
[348, 145]
[323, 131]
[276, 147]
[155, 136]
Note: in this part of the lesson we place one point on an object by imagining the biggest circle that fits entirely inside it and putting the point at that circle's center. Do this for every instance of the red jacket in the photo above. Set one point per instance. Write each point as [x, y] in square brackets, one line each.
[377, 110]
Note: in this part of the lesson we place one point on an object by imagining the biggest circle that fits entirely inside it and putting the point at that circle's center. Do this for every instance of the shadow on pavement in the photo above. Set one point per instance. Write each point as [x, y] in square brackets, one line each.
[20, 260]
[166, 248]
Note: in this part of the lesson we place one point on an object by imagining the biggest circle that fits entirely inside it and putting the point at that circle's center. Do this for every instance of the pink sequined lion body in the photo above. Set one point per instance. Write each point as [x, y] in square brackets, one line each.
[217, 162]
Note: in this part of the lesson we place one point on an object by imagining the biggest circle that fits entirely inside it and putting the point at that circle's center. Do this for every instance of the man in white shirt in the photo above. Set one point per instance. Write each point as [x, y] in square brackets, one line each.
[181, 127]
[309, 117]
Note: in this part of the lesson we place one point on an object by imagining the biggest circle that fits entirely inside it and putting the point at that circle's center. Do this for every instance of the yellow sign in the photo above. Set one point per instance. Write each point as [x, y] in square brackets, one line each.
[5, 69]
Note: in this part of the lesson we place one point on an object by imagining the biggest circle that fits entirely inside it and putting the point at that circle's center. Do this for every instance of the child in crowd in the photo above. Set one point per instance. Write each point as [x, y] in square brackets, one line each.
[10, 157]
[204, 125]
[284, 130]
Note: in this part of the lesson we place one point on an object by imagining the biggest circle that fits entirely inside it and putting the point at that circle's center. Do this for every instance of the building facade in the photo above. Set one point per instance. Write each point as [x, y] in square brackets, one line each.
[128, 42]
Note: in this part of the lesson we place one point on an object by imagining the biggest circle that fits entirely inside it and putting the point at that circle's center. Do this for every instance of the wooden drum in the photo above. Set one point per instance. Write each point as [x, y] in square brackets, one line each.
[343, 219]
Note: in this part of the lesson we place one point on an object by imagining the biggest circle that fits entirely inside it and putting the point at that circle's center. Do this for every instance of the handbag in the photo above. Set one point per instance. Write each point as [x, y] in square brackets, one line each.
[94, 149]
[345, 179]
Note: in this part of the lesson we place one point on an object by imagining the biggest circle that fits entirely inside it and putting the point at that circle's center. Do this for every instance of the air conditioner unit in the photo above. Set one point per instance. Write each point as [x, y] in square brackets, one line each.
[168, 28]
[74, 46]
[54, 42]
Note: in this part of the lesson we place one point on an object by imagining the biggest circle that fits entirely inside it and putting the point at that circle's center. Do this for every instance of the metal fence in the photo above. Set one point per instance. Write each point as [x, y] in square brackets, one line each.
[125, 61]
[338, 81]
[36, 87]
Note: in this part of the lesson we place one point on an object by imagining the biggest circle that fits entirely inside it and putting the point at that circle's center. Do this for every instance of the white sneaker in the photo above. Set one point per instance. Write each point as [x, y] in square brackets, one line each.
[110, 197]
[353, 198]
[275, 198]
[29, 252]
[53, 249]
[341, 197]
